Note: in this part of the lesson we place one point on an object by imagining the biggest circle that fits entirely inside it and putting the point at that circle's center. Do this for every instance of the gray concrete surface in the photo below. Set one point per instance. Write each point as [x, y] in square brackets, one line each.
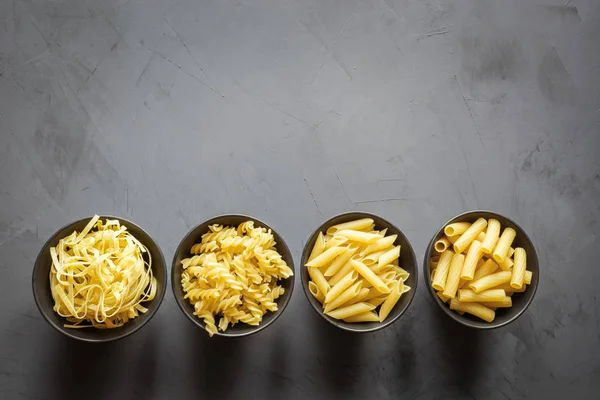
[171, 111]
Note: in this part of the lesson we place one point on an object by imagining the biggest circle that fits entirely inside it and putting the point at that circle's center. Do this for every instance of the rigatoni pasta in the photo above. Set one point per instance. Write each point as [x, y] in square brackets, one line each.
[357, 279]
[477, 271]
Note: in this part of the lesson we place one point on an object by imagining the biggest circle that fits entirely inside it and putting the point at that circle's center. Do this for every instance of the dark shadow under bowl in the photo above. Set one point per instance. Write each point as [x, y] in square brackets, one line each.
[43, 295]
[183, 251]
[407, 261]
[520, 301]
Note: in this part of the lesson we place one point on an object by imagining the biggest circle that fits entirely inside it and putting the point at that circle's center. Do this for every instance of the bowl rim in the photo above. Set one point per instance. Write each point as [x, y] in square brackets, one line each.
[456, 317]
[319, 311]
[281, 306]
[148, 316]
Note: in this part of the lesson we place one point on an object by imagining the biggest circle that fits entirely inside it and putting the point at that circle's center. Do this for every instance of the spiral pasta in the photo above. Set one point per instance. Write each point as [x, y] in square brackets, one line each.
[234, 273]
[99, 277]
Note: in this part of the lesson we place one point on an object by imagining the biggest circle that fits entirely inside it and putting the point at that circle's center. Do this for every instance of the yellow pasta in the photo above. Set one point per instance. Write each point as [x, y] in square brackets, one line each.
[316, 292]
[469, 296]
[441, 245]
[318, 248]
[473, 256]
[492, 235]
[501, 250]
[358, 225]
[456, 228]
[475, 309]
[490, 281]
[518, 271]
[504, 303]
[453, 279]
[354, 309]
[507, 264]
[527, 278]
[99, 277]
[326, 257]
[237, 277]
[441, 272]
[470, 234]
[358, 272]
[442, 297]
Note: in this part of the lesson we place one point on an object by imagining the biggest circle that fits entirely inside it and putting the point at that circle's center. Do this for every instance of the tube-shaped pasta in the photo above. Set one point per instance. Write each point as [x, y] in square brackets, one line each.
[370, 276]
[469, 296]
[453, 279]
[504, 303]
[501, 250]
[442, 296]
[492, 235]
[470, 234]
[339, 287]
[358, 236]
[358, 298]
[354, 309]
[390, 301]
[475, 309]
[528, 277]
[346, 295]
[511, 251]
[317, 277]
[509, 289]
[441, 245]
[490, 281]
[335, 241]
[316, 292]
[473, 256]
[387, 277]
[342, 272]
[369, 316]
[389, 256]
[441, 272]
[456, 228]
[453, 239]
[377, 301]
[518, 271]
[373, 258]
[381, 244]
[326, 257]
[339, 262]
[507, 264]
[489, 266]
[319, 246]
[358, 225]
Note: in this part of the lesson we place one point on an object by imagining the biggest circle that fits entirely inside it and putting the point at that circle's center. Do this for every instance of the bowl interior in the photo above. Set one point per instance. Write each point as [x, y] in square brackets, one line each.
[43, 295]
[520, 300]
[407, 261]
[194, 236]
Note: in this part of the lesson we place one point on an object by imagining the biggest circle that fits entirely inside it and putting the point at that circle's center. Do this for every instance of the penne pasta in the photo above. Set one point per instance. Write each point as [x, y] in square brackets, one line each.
[317, 277]
[354, 309]
[377, 301]
[335, 242]
[492, 235]
[470, 234]
[390, 301]
[490, 281]
[475, 309]
[341, 286]
[340, 261]
[456, 228]
[345, 296]
[518, 271]
[389, 256]
[352, 225]
[501, 250]
[382, 244]
[441, 272]
[358, 236]
[326, 257]
[370, 276]
[373, 258]
[369, 316]
[358, 298]
[473, 256]
[316, 292]
[318, 248]
[469, 296]
[453, 279]
[342, 272]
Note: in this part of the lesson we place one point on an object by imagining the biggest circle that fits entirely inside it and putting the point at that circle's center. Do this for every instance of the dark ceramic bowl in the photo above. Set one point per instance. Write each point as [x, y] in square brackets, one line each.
[183, 251]
[407, 261]
[43, 295]
[521, 301]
